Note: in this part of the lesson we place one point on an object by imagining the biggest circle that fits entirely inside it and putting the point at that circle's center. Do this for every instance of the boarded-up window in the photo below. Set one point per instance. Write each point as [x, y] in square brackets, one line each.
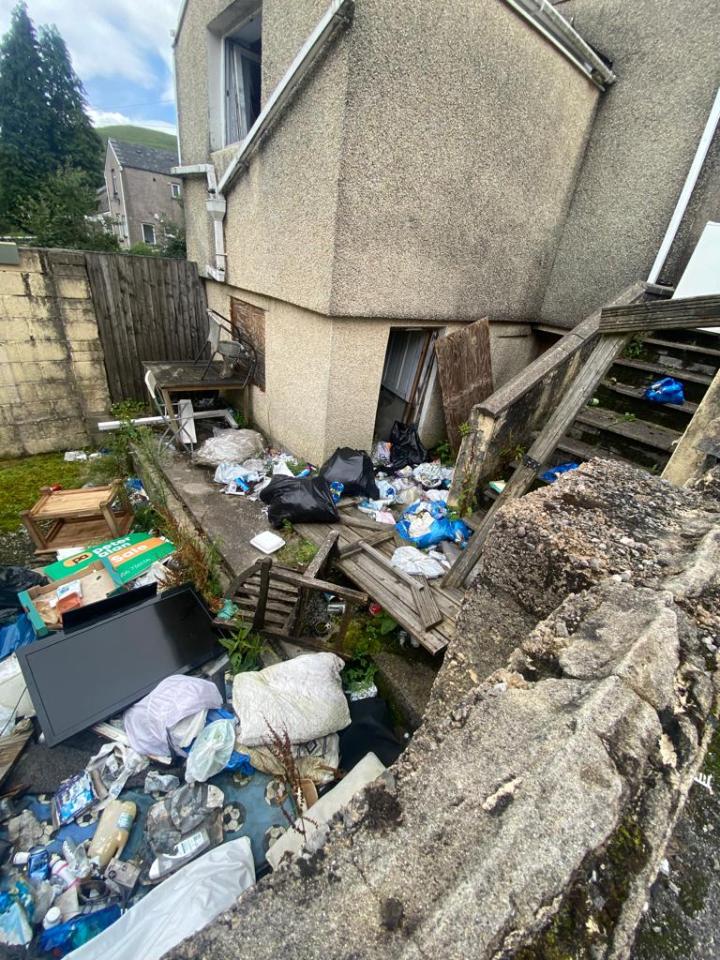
[250, 320]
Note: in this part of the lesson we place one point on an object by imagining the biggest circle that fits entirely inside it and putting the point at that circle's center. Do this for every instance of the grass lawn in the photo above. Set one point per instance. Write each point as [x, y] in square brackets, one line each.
[21, 480]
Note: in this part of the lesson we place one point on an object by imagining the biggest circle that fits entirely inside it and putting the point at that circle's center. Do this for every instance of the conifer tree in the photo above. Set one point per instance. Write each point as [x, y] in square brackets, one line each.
[25, 153]
[73, 141]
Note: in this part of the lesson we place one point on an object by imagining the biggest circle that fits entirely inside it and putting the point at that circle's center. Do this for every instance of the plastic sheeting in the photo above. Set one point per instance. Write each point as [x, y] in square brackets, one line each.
[302, 697]
[178, 907]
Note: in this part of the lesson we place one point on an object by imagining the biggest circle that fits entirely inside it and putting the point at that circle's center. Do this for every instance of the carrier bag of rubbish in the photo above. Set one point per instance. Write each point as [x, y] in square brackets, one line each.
[406, 449]
[425, 523]
[666, 390]
[551, 475]
[235, 446]
[299, 500]
[354, 469]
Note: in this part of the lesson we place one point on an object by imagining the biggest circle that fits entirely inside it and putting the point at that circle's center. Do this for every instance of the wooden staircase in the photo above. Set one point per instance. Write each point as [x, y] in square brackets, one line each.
[620, 423]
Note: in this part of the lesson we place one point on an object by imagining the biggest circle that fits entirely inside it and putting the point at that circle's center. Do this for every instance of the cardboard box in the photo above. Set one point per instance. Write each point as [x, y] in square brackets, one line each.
[98, 580]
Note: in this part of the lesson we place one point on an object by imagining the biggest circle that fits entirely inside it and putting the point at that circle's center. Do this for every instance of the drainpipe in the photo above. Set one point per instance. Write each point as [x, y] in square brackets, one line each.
[216, 205]
[691, 180]
[553, 25]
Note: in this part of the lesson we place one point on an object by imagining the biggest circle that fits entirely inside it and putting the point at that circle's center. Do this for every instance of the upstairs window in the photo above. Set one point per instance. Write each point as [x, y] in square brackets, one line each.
[175, 190]
[242, 53]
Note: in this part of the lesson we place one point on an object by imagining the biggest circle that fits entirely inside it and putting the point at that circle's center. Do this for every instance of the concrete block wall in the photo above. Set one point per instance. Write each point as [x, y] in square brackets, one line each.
[53, 384]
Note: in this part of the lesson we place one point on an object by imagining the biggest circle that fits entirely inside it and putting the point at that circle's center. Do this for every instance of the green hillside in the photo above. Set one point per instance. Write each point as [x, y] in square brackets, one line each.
[140, 135]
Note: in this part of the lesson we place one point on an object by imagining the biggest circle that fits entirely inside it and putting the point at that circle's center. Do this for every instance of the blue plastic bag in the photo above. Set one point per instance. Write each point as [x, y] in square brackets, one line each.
[551, 475]
[15, 635]
[666, 390]
[442, 528]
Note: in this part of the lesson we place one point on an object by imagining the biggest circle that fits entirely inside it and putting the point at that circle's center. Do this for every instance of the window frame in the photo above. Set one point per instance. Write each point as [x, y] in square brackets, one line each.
[153, 242]
[175, 191]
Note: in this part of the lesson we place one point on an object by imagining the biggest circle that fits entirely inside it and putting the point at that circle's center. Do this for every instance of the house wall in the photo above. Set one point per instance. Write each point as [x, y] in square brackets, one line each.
[397, 183]
[148, 197]
[52, 374]
[116, 210]
[645, 136]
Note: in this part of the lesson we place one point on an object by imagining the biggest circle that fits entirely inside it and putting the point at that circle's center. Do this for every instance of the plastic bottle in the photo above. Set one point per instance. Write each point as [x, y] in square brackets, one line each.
[186, 850]
[112, 832]
[62, 874]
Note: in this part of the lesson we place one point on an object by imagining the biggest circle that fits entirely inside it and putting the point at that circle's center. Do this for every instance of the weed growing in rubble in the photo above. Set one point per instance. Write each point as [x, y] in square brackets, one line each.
[281, 749]
[192, 561]
[244, 649]
[443, 452]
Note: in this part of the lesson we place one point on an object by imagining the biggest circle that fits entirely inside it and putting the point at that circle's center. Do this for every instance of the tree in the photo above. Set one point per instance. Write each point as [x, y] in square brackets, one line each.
[57, 214]
[25, 155]
[73, 141]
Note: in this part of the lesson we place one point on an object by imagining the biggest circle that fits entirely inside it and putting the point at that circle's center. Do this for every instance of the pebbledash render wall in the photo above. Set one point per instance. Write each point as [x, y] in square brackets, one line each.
[395, 190]
[52, 375]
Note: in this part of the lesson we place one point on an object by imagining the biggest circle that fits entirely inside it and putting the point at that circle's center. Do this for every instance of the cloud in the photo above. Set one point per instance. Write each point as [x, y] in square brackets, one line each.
[109, 118]
[122, 39]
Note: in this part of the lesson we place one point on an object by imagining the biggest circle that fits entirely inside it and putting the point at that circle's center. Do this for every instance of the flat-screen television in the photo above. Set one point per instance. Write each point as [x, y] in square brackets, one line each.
[77, 678]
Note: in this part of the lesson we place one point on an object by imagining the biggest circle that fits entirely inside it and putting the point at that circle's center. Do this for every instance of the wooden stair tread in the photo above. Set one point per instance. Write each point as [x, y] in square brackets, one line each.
[636, 393]
[659, 371]
[586, 451]
[684, 347]
[648, 434]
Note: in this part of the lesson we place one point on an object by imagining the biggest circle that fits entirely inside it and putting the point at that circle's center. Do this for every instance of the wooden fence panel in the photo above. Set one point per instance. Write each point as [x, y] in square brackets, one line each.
[147, 308]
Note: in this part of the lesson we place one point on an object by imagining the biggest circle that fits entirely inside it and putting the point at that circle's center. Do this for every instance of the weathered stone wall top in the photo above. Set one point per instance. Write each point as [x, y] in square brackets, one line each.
[52, 373]
[529, 814]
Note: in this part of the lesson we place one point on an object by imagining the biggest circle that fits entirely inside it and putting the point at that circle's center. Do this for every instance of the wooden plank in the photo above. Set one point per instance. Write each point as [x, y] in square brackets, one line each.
[386, 563]
[689, 459]
[102, 316]
[297, 580]
[353, 548]
[427, 608]
[322, 557]
[660, 315]
[259, 618]
[465, 374]
[576, 396]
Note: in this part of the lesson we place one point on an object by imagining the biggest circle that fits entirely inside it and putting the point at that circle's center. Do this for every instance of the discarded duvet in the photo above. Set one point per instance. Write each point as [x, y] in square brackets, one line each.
[178, 908]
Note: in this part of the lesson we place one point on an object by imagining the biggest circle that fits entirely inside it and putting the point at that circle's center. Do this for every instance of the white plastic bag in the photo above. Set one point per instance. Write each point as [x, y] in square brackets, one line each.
[415, 562]
[302, 697]
[149, 722]
[234, 446]
[180, 906]
[211, 751]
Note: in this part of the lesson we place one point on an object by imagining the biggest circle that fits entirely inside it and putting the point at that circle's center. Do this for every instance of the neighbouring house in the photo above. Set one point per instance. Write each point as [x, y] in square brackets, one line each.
[142, 198]
[360, 178]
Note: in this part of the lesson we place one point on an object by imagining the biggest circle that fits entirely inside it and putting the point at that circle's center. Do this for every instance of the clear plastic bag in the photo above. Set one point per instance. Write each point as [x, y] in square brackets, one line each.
[211, 751]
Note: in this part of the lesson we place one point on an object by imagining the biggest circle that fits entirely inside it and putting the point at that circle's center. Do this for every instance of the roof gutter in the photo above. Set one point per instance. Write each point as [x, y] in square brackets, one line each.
[544, 17]
[686, 193]
[337, 16]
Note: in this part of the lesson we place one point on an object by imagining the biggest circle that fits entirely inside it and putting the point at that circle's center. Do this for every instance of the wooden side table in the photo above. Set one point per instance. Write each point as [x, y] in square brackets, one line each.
[77, 518]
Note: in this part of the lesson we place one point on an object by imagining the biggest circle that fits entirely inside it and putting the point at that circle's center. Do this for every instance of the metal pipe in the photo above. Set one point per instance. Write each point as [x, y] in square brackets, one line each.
[691, 180]
[555, 28]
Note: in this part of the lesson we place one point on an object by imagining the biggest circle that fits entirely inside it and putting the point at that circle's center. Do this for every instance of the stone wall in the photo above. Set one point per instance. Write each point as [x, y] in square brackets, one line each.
[52, 373]
[530, 813]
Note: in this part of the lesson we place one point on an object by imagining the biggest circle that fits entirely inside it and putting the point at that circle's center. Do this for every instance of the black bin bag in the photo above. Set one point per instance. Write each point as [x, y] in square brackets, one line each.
[354, 469]
[406, 450]
[299, 500]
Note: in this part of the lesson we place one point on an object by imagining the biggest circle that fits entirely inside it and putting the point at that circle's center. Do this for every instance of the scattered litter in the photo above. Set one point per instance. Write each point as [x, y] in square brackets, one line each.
[111, 768]
[667, 390]
[551, 475]
[182, 905]
[497, 486]
[75, 456]
[211, 751]
[127, 557]
[156, 782]
[73, 797]
[112, 832]
[415, 562]
[406, 449]
[426, 523]
[267, 542]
